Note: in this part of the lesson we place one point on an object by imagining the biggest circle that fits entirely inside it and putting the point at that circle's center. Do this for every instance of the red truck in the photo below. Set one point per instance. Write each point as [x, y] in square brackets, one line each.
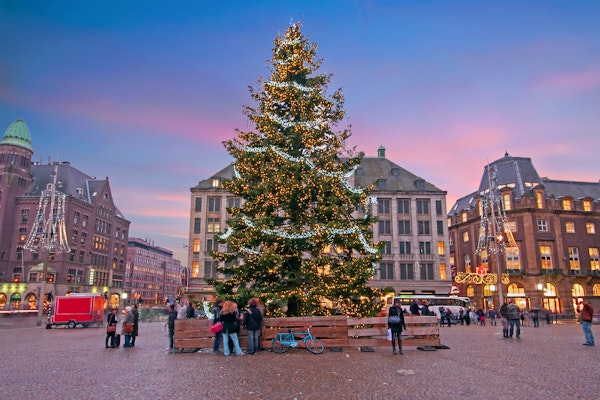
[77, 308]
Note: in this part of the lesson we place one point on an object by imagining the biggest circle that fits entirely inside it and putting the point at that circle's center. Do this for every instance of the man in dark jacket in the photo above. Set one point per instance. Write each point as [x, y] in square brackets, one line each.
[514, 318]
[253, 323]
[395, 324]
[172, 318]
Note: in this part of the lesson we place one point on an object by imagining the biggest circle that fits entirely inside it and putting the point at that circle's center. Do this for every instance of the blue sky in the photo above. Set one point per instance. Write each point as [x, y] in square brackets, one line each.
[144, 92]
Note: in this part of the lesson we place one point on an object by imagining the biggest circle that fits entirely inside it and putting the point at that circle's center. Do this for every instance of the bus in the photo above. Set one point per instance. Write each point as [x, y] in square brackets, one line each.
[454, 303]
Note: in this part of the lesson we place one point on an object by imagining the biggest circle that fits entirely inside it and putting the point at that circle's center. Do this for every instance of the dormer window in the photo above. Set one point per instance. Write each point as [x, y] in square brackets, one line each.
[216, 182]
[79, 191]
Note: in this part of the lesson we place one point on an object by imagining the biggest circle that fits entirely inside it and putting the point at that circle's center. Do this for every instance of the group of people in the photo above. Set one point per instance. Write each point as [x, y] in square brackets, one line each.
[129, 327]
[227, 314]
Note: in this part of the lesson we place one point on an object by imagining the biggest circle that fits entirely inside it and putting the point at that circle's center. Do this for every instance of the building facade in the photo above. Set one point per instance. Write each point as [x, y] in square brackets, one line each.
[93, 229]
[153, 276]
[411, 224]
[555, 228]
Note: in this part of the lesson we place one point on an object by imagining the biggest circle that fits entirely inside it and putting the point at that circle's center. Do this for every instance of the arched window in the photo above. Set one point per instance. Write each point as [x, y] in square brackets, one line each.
[470, 291]
[595, 291]
[3, 301]
[578, 290]
[31, 301]
[514, 288]
[15, 301]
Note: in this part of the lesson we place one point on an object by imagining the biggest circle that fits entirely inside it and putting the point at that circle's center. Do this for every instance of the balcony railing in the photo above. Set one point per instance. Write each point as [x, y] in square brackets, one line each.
[554, 271]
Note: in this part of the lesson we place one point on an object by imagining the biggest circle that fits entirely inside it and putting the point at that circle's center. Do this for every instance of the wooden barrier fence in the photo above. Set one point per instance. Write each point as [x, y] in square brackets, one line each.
[335, 331]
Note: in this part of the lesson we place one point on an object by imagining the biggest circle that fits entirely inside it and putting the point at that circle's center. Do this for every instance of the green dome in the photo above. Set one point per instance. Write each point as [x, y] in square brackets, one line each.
[17, 134]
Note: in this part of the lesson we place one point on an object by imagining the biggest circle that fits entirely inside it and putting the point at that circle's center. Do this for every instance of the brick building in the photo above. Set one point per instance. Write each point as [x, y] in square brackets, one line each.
[555, 226]
[95, 229]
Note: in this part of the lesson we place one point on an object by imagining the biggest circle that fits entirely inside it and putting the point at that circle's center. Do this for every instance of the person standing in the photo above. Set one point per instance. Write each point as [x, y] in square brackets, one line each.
[425, 308]
[111, 328]
[127, 325]
[231, 327]
[586, 312]
[414, 306]
[190, 312]
[253, 324]
[514, 318]
[395, 324]
[504, 319]
[171, 324]
[136, 320]
[216, 311]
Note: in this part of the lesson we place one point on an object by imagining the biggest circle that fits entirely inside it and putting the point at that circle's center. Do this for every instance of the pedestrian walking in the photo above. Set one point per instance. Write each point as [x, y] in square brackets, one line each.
[395, 325]
[231, 327]
[514, 318]
[216, 311]
[111, 328]
[253, 324]
[136, 321]
[586, 313]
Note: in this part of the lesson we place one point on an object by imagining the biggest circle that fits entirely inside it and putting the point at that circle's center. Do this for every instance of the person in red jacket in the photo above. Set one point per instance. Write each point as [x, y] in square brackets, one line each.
[586, 312]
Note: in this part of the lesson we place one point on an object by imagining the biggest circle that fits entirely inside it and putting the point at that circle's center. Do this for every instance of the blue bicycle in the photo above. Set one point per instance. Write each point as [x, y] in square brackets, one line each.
[285, 341]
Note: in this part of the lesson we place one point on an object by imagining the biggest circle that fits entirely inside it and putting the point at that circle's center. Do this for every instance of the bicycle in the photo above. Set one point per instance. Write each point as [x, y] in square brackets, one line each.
[285, 341]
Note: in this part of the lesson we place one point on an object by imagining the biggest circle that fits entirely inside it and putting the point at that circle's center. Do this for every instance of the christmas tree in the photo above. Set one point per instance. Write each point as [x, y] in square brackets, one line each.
[301, 238]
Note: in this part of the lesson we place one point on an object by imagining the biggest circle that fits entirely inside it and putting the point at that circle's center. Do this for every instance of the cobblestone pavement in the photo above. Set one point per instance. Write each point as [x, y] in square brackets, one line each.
[546, 363]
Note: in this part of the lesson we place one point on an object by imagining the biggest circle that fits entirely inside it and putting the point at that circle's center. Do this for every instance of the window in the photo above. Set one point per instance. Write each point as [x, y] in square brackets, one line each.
[574, 259]
[198, 205]
[512, 260]
[594, 258]
[403, 227]
[546, 257]
[213, 225]
[386, 271]
[196, 246]
[506, 199]
[567, 204]
[463, 216]
[542, 225]
[441, 247]
[423, 206]
[211, 245]
[465, 236]
[383, 206]
[440, 227]
[216, 182]
[382, 184]
[423, 227]
[404, 247]
[385, 227]
[25, 216]
[443, 275]
[427, 272]
[438, 207]
[539, 200]
[424, 247]
[85, 221]
[196, 225]
[233, 202]
[403, 206]
[214, 204]
[387, 247]
[590, 227]
[570, 227]
[407, 271]
[76, 218]
[587, 205]
[210, 269]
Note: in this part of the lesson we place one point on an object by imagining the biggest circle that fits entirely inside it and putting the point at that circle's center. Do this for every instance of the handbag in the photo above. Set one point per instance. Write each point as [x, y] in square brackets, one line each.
[127, 328]
[394, 319]
[216, 328]
[111, 328]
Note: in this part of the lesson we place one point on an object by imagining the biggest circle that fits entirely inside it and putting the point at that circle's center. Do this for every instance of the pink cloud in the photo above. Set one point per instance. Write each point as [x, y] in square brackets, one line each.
[577, 81]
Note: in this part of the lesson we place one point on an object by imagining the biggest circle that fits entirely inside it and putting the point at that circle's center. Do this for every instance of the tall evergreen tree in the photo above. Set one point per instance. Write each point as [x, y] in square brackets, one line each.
[301, 238]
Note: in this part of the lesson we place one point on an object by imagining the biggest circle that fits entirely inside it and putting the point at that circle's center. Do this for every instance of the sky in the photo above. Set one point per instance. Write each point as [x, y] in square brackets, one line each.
[145, 92]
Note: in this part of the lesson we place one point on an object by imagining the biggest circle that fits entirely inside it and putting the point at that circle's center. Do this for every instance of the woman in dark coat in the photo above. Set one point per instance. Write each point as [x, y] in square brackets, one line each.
[136, 320]
[396, 325]
[111, 328]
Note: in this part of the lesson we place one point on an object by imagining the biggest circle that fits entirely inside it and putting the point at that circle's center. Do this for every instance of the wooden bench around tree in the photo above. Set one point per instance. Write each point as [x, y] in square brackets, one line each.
[334, 331]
